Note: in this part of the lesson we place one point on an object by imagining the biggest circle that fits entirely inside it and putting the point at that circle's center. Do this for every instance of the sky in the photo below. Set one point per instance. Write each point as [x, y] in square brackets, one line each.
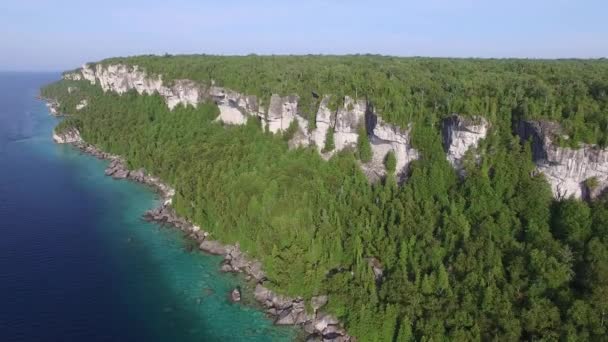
[54, 35]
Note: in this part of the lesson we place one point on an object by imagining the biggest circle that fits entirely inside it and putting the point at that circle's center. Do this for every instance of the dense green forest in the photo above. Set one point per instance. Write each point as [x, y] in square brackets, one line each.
[404, 90]
[488, 257]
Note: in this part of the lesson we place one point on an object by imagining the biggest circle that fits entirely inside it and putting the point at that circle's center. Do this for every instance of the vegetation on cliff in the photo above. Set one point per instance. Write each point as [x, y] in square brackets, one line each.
[488, 257]
[404, 90]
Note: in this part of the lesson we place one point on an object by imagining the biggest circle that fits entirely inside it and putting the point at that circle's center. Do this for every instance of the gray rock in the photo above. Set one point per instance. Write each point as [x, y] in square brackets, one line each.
[318, 302]
[262, 294]
[376, 266]
[226, 267]
[235, 295]
[138, 175]
[323, 321]
[285, 318]
[120, 174]
[255, 269]
[566, 169]
[461, 134]
[213, 247]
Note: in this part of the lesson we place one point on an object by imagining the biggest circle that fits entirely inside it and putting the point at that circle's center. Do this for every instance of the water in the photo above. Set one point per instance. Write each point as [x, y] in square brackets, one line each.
[77, 263]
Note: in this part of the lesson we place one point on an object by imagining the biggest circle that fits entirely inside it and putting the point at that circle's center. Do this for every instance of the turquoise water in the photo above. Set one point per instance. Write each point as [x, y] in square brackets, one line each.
[78, 261]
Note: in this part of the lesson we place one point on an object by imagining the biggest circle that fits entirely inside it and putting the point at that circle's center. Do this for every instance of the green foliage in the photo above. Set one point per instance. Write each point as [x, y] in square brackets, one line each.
[488, 257]
[291, 130]
[406, 90]
[363, 145]
[329, 140]
[591, 183]
[390, 162]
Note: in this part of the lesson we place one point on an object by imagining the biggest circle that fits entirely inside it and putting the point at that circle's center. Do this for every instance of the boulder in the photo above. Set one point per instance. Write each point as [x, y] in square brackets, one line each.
[213, 247]
[262, 294]
[255, 269]
[235, 295]
[138, 175]
[322, 322]
[120, 174]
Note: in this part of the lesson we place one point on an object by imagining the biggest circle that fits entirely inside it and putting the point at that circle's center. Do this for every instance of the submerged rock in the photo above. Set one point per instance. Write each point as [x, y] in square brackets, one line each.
[235, 295]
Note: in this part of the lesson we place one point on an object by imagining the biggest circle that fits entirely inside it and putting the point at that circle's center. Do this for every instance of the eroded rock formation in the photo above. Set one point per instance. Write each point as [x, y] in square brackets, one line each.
[235, 108]
[68, 136]
[461, 134]
[385, 138]
[581, 172]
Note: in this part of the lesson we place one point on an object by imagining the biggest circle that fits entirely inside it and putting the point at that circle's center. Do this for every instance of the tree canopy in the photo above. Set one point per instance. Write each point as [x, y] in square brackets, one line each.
[490, 256]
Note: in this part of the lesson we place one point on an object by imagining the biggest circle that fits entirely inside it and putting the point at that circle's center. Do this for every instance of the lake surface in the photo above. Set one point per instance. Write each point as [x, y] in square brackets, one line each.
[77, 262]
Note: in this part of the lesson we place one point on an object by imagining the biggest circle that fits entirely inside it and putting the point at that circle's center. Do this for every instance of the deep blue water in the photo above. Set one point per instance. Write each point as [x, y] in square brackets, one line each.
[77, 263]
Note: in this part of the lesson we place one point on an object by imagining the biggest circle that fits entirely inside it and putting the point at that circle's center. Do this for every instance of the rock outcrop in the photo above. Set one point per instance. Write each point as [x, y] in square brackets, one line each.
[235, 295]
[285, 310]
[53, 107]
[324, 122]
[569, 171]
[236, 108]
[68, 136]
[350, 117]
[121, 78]
[83, 103]
[385, 138]
[282, 112]
[460, 134]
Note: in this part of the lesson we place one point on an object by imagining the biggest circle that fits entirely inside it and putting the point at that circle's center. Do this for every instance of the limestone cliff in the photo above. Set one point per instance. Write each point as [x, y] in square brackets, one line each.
[282, 111]
[385, 138]
[68, 136]
[461, 134]
[570, 172]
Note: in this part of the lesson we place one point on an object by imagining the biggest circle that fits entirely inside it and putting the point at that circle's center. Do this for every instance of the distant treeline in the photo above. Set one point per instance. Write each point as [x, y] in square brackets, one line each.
[404, 90]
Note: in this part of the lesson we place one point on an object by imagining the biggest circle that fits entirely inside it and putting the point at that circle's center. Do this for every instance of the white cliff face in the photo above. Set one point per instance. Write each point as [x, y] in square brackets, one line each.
[74, 76]
[566, 169]
[385, 138]
[235, 108]
[460, 135]
[69, 136]
[324, 122]
[301, 137]
[121, 79]
[281, 112]
[348, 120]
[83, 103]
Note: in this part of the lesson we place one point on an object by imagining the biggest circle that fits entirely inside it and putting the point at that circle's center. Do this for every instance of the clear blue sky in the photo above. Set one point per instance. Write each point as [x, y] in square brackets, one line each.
[62, 34]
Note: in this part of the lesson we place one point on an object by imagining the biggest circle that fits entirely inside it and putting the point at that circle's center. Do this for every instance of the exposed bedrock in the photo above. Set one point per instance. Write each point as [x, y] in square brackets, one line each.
[461, 134]
[385, 138]
[68, 136]
[324, 122]
[282, 111]
[581, 172]
[349, 118]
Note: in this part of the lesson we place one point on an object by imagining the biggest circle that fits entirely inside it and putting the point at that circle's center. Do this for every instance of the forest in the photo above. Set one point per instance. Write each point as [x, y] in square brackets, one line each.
[491, 256]
[404, 90]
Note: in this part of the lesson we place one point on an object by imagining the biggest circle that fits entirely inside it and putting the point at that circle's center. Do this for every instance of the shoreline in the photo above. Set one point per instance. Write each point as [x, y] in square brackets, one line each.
[283, 310]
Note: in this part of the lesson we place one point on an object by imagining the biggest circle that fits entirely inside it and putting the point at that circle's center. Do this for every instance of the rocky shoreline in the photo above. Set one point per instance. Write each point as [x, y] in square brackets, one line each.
[284, 310]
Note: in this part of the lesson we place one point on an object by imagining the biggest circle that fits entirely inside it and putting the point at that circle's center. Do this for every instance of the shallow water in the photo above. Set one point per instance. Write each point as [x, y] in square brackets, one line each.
[77, 263]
